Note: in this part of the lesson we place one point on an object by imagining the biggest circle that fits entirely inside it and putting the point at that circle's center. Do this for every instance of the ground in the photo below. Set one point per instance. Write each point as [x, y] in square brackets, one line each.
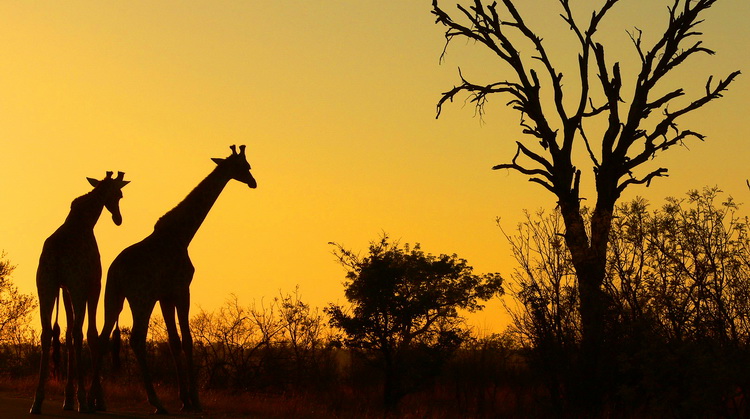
[14, 405]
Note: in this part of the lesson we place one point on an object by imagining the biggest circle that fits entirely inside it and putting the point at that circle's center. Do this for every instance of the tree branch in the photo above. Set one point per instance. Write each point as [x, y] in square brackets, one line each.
[711, 94]
[615, 159]
[555, 77]
[479, 94]
[535, 174]
[650, 147]
[487, 27]
[661, 172]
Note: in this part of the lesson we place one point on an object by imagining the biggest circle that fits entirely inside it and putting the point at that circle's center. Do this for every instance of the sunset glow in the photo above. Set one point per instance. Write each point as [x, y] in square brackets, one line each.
[335, 101]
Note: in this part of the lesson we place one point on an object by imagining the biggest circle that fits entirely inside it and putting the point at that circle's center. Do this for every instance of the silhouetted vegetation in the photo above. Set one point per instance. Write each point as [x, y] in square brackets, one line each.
[18, 340]
[274, 346]
[678, 323]
[15, 308]
[677, 332]
[17, 337]
[640, 112]
[404, 311]
[618, 309]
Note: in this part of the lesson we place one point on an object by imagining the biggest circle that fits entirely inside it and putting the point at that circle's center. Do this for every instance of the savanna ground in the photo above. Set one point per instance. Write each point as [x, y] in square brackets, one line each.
[483, 380]
[128, 401]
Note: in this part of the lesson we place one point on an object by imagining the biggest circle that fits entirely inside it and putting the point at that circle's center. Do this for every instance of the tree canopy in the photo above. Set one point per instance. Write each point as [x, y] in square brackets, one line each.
[401, 298]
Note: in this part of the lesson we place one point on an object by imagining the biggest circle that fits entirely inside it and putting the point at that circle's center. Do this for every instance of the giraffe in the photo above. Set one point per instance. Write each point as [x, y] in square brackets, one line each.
[158, 268]
[70, 260]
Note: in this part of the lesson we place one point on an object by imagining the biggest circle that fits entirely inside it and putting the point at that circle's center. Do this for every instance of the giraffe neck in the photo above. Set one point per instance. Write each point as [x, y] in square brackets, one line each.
[85, 211]
[183, 221]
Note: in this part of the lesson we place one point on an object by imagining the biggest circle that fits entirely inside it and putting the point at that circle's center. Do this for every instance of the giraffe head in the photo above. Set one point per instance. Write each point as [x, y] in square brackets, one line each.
[237, 166]
[110, 189]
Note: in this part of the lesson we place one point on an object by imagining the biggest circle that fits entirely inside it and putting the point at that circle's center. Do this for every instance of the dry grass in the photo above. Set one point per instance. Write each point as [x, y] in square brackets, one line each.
[343, 403]
[129, 397]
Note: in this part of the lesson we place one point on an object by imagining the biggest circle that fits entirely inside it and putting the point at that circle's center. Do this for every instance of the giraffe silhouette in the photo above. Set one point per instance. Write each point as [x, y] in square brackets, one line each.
[70, 260]
[158, 268]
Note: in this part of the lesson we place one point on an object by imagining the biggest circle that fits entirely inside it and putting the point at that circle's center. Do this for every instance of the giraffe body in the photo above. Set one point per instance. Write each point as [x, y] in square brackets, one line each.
[70, 261]
[159, 269]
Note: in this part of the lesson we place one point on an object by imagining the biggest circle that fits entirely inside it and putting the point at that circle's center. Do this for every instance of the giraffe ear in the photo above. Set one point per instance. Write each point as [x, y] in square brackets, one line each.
[93, 181]
[217, 160]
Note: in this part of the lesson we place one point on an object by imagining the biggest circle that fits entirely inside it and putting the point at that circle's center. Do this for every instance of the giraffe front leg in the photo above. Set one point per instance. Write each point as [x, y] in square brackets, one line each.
[79, 308]
[187, 347]
[138, 344]
[69, 402]
[183, 314]
[93, 340]
[80, 374]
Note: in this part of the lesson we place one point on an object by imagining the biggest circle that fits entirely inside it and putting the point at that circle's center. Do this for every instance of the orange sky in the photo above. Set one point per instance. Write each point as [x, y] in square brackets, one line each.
[335, 100]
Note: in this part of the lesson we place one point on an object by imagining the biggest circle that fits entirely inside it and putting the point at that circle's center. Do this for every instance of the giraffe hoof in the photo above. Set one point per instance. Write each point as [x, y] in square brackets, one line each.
[191, 408]
[96, 404]
[161, 411]
[35, 410]
[85, 409]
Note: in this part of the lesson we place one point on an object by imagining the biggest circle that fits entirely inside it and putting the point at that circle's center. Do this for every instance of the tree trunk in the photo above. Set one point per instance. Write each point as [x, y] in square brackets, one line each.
[392, 391]
[589, 256]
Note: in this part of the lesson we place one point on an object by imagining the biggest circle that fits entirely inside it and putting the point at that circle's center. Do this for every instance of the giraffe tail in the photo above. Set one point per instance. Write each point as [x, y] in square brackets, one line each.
[56, 341]
[116, 344]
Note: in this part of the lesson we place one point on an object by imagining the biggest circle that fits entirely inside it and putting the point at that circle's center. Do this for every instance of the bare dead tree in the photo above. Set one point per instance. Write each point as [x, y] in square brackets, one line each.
[546, 155]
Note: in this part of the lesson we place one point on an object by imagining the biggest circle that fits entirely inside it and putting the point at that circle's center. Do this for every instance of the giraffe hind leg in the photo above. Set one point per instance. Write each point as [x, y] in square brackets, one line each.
[69, 395]
[175, 345]
[93, 339]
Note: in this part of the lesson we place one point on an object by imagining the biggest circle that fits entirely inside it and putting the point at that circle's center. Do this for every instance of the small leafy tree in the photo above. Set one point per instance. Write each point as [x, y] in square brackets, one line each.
[302, 331]
[16, 334]
[15, 308]
[230, 340]
[403, 302]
